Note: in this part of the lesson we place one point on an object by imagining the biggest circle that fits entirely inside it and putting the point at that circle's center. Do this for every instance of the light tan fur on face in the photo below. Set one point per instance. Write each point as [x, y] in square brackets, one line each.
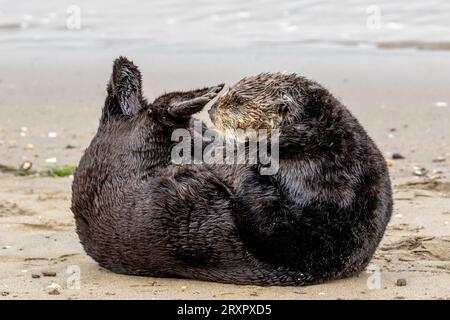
[257, 102]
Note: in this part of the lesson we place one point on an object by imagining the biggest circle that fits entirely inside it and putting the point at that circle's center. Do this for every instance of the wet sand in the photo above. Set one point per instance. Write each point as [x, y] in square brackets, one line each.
[400, 96]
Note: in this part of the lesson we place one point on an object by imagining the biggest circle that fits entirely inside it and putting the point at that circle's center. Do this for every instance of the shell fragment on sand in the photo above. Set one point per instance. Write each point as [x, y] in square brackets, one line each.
[420, 171]
[26, 165]
[54, 289]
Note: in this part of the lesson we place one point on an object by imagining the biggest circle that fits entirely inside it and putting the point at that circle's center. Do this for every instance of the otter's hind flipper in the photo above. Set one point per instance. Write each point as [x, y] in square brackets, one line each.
[124, 90]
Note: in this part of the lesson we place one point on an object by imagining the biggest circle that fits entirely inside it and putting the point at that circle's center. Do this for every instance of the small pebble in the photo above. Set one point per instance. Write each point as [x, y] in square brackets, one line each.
[397, 156]
[400, 282]
[5, 293]
[54, 289]
[35, 276]
[420, 171]
[69, 146]
[49, 274]
[52, 135]
[50, 160]
[439, 159]
[26, 165]
[29, 146]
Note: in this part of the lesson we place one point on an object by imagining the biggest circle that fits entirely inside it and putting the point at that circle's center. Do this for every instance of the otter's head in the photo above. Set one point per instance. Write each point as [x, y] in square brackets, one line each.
[258, 102]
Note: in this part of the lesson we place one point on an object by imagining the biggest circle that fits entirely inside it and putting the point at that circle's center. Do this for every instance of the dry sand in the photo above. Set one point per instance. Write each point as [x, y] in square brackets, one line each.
[393, 93]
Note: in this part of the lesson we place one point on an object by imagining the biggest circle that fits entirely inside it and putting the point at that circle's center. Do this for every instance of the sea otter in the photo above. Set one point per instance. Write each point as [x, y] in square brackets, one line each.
[138, 213]
[325, 211]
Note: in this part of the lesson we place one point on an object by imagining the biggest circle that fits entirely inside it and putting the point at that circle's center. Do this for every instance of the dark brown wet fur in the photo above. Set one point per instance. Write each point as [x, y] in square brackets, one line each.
[326, 209]
[136, 213]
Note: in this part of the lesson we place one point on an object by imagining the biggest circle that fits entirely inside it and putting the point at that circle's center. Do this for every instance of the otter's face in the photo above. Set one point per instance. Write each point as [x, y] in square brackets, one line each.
[258, 102]
[235, 111]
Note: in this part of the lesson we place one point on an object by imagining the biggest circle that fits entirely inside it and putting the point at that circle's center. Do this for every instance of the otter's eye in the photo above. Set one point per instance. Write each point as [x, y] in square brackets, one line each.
[239, 100]
[282, 109]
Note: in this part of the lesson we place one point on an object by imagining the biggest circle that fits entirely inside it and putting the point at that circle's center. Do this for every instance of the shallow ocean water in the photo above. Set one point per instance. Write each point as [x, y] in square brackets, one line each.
[221, 24]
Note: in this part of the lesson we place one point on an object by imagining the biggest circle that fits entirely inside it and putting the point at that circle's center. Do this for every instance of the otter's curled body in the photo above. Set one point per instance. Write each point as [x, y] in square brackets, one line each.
[320, 217]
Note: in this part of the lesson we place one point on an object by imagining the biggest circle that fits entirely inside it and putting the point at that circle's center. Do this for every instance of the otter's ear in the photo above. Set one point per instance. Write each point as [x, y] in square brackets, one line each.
[124, 89]
[185, 104]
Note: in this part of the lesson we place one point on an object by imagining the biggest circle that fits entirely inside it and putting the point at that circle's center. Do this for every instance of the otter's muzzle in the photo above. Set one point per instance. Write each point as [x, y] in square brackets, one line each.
[213, 112]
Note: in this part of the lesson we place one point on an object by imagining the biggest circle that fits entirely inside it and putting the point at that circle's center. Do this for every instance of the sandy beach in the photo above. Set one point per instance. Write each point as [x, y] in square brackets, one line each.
[388, 62]
[49, 109]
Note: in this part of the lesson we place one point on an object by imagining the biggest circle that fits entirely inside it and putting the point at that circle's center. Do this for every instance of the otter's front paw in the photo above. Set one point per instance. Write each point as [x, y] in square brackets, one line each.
[186, 107]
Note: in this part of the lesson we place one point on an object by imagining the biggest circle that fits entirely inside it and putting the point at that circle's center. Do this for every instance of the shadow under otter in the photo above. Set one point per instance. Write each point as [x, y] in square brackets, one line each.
[320, 217]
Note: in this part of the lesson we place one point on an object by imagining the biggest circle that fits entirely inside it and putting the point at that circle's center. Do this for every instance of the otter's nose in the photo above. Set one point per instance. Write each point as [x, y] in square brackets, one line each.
[212, 113]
